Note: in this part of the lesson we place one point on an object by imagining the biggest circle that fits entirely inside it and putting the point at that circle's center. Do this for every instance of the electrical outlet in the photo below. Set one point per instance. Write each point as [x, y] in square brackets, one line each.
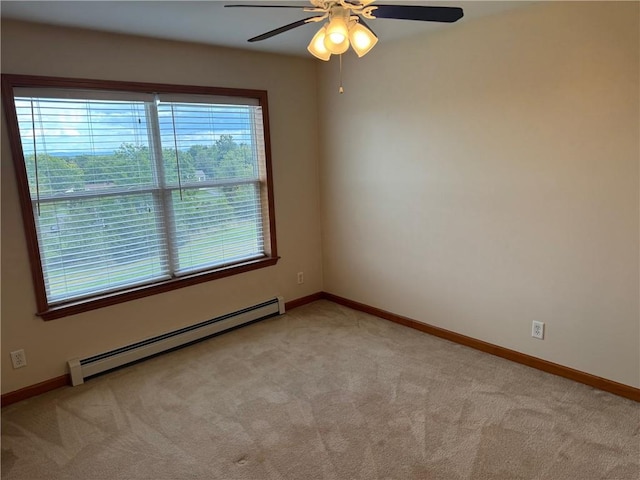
[537, 330]
[300, 278]
[19, 359]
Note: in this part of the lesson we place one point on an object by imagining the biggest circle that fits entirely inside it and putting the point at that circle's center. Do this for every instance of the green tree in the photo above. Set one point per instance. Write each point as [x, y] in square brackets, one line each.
[54, 174]
[171, 161]
[204, 158]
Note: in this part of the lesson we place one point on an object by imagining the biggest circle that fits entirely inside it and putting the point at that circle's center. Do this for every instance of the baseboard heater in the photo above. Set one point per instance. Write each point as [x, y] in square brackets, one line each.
[82, 369]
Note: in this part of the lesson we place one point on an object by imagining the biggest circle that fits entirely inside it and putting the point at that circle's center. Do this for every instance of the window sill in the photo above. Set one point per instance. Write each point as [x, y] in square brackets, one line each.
[85, 305]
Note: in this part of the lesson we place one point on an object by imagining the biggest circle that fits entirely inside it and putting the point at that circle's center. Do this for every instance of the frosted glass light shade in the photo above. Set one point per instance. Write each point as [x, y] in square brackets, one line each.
[316, 46]
[362, 40]
[336, 49]
[337, 30]
[336, 38]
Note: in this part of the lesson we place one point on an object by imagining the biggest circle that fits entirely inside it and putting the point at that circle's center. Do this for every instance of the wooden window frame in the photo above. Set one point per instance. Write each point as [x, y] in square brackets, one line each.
[50, 312]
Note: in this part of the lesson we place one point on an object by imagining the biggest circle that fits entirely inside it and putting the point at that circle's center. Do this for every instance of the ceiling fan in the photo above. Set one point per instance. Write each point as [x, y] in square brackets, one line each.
[346, 25]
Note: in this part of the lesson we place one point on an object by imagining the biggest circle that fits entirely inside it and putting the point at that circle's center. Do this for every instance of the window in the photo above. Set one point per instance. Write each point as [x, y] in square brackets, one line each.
[133, 189]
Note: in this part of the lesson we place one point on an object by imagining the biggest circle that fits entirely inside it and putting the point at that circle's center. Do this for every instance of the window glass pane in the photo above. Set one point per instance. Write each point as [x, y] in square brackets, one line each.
[216, 226]
[96, 245]
[84, 145]
[214, 142]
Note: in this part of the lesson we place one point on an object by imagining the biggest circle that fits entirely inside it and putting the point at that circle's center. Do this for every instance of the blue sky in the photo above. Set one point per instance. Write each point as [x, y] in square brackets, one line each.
[74, 127]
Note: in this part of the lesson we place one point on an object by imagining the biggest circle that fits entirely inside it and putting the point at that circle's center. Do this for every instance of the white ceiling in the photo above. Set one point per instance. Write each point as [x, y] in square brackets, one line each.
[209, 22]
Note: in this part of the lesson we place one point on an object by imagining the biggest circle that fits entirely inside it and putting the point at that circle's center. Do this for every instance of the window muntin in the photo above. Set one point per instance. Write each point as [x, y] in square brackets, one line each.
[129, 192]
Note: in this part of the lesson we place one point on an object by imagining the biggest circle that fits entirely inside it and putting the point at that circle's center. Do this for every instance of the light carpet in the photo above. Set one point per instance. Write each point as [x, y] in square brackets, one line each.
[323, 392]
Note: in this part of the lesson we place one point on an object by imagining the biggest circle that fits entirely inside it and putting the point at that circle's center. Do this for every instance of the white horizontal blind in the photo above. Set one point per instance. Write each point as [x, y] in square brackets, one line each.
[217, 202]
[127, 192]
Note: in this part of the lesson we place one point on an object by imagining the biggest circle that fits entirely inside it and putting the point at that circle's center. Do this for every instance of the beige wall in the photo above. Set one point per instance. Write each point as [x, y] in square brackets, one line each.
[486, 176]
[291, 85]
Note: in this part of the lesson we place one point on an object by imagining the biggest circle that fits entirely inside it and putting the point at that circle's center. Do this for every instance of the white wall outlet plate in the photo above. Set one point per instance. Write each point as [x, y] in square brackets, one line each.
[18, 359]
[537, 330]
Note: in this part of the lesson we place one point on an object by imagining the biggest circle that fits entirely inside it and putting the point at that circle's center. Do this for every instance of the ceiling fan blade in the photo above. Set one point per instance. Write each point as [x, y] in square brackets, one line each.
[266, 6]
[280, 30]
[361, 20]
[416, 12]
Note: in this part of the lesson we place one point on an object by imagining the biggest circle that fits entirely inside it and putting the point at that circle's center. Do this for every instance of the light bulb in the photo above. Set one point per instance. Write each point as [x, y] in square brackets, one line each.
[336, 37]
[362, 39]
[316, 46]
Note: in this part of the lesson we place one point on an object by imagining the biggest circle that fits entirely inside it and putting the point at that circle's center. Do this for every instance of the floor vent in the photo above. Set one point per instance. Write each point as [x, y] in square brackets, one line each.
[82, 369]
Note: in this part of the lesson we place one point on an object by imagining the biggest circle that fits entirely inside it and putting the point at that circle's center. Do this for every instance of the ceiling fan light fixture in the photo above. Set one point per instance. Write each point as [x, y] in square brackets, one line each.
[316, 46]
[362, 39]
[347, 26]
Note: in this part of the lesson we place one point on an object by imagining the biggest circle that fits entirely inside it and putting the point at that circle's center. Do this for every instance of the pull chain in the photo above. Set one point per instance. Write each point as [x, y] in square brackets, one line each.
[341, 90]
